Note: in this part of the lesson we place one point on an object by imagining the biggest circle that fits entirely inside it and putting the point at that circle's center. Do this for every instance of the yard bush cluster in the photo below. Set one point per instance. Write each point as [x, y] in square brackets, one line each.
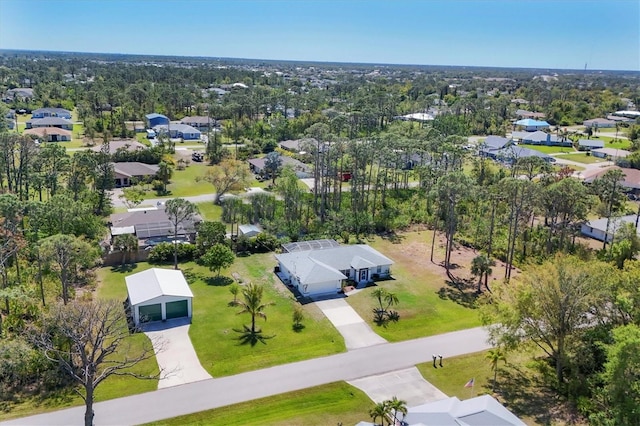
[163, 252]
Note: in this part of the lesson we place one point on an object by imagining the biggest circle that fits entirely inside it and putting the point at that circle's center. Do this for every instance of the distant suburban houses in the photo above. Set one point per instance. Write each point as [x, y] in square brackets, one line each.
[302, 170]
[630, 181]
[155, 119]
[178, 131]
[589, 144]
[199, 122]
[59, 122]
[531, 125]
[599, 123]
[503, 149]
[116, 145]
[319, 267]
[540, 138]
[522, 113]
[51, 112]
[612, 154]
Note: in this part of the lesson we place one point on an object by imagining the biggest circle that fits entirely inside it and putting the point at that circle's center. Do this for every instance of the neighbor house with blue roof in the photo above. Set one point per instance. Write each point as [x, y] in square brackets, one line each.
[531, 125]
[155, 119]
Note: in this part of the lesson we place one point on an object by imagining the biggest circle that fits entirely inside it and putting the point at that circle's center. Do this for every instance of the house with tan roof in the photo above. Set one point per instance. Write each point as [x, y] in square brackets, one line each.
[49, 134]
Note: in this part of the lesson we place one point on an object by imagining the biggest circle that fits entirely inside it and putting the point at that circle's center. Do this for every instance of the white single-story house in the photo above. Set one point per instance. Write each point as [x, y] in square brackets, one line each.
[588, 144]
[51, 112]
[321, 271]
[481, 410]
[597, 228]
[610, 153]
[158, 295]
[178, 131]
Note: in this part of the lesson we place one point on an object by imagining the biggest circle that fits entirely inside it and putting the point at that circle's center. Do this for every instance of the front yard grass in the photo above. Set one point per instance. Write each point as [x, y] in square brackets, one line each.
[581, 158]
[427, 303]
[212, 330]
[335, 403]
[549, 149]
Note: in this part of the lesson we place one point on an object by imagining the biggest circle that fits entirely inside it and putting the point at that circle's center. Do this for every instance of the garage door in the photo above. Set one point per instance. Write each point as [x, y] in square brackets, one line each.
[177, 309]
[150, 313]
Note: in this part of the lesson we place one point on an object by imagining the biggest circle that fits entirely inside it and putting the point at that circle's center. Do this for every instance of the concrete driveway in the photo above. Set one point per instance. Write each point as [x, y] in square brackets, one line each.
[356, 332]
[407, 385]
[175, 354]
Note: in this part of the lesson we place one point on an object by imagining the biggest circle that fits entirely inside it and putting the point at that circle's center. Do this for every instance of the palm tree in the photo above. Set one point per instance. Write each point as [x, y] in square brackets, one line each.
[481, 266]
[495, 356]
[381, 410]
[252, 303]
[397, 405]
[127, 244]
[164, 174]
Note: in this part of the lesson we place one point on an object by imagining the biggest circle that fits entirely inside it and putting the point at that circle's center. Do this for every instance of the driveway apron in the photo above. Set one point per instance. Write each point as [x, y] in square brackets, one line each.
[175, 354]
[356, 332]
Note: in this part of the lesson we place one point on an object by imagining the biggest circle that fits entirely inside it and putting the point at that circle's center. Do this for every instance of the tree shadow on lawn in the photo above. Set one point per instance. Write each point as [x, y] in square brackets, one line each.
[220, 281]
[523, 392]
[393, 238]
[461, 291]
[248, 337]
[127, 267]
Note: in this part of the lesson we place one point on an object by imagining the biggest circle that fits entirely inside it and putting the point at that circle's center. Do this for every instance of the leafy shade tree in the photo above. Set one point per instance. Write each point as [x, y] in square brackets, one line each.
[127, 244]
[252, 304]
[209, 234]
[179, 211]
[621, 377]
[495, 356]
[229, 174]
[218, 257]
[67, 254]
[627, 245]
[132, 196]
[91, 342]
[550, 305]
[272, 165]
[481, 267]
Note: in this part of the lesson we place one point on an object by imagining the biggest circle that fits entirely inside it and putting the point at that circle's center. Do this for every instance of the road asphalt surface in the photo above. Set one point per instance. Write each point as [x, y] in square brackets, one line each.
[214, 393]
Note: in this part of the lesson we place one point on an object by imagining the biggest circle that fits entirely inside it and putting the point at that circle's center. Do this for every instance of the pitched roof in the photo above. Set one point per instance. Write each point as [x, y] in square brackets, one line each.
[135, 169]
[286, 161]
[530, 122]
[156, 282]
[155, 115]
[129, 145]
[312, 266]
[50, 121]
[495, 142]
[41, 131]
[591, 143]
[479, 411]
[598, 121]
[198, 119]
[631, 176]
[614, 223]
[613, 152]
[178, 127]
[50, 110]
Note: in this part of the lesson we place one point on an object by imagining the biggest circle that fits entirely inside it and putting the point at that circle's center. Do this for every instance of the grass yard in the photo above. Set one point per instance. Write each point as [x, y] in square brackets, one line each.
[581, 158]
[184, 184]
[210, 212]
[212, 331]
[549, 149]
[428, 304]
[335, 403]
[610, 142]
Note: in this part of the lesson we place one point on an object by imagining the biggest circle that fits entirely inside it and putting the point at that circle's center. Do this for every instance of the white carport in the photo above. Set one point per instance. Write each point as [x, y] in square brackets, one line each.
[158, 295]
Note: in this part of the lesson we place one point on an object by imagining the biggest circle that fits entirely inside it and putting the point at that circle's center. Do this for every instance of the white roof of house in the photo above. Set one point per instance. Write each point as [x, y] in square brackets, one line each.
[615, 223]
[613, 152]
[156, 282]
[479, 411]
[322, 265]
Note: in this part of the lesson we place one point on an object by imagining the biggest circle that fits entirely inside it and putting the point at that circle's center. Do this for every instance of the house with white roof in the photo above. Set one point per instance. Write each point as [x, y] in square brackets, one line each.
[319, 271]
[482, 410]
[597, 228]
[531, 125]
[158, 295]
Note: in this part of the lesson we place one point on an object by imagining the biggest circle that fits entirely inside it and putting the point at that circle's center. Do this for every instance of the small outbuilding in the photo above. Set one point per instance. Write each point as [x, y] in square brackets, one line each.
[158, 295]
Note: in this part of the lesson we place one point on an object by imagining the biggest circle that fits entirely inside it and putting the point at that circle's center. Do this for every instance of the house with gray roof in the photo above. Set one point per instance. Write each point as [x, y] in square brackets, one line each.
[152, 225]
[588, 144]
[540, 138]
[51, 112]
[59, 122]
[127, 172]
[199, 122]
[599, 123]
[321, 271]
[179, 131]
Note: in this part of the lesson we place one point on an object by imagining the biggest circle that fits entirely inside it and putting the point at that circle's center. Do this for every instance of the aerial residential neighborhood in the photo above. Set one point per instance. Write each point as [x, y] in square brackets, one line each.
[396, 214]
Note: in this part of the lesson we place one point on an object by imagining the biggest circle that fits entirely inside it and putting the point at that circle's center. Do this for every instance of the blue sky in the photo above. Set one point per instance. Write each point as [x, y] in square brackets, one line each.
[605, 34]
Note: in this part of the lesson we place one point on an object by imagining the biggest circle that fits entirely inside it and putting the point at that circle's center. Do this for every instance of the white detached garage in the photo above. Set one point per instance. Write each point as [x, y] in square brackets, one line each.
[158, 294]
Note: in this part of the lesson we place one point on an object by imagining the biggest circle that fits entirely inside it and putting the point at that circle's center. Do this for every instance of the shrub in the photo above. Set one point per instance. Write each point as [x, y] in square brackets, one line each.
[163, 252]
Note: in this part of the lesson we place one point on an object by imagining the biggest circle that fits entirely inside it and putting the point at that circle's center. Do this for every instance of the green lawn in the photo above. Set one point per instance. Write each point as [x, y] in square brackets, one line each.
[210, 212]
[335, 403]
[610, 142]
[549, 149]
[214, 320]
[427, 305]
[581, 158]
[184, 184]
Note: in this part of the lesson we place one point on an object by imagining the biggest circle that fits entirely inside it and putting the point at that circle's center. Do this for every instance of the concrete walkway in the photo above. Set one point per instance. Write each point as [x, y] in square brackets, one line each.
[356, 332]
[407, 385]
[175, 354]
[220, 392]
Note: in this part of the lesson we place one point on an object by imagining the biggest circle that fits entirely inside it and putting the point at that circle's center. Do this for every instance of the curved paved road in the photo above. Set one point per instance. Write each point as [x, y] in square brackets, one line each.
[214, 393]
